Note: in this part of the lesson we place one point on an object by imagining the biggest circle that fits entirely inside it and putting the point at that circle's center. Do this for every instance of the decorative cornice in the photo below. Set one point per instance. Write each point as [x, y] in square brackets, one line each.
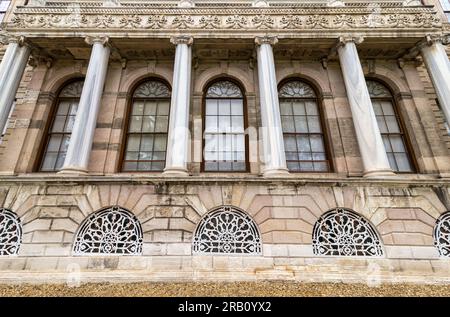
[182, 39]
[271, 40]
[280, 18]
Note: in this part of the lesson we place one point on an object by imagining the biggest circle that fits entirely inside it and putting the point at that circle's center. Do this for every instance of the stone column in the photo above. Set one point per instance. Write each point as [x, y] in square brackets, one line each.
[272, 133]
[80, 145]
[11, 71]
[178, 136]
[438, 66]
[368, 134]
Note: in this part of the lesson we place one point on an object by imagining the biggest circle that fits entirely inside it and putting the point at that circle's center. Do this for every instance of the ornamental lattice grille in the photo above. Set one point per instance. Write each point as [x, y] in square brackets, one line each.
[112, 230]
[10, 232]
[296, 89]
[341, 232]
[152, 89]
[377, 90]
[442, 234]
[224, 89]
[227, 230]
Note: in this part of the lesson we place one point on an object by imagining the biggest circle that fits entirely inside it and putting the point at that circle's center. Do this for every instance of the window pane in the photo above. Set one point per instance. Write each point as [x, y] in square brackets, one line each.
[392, 162]
[160, 143]
[132, 156]
[392, 124]
[144, 166]
[54, 143]
[145, 156]
[402, 162]
[211, 107]
[311, 108]
[58, 124]
[147, 143]
[299, 108]
[306, 166]
[237, 123]
[69, 123]
[211, 166]
[138, 108]
[159, 156]
[161, 124]
[49, 162]
[290, 143]
[303, 144]
[133, 143]
[150, 108]
[285, 108]
[65, 143]
[237, 107]
[60, 161]
[320, 167]
[224, 107]
[63, 108]
[148, 124]
[319, 156]
[377, 108]
[314, 124]
[130, 166]
[291, 156]
[293, 166]
[305, 156]
[135, 124]
[317, 143]
[388, 109]
[239, 143]
[381, 124]
[163, 108]
[157, 166]
[288, 124]
[300, 124]
[397, 143]
[211, 142]
[387, 144]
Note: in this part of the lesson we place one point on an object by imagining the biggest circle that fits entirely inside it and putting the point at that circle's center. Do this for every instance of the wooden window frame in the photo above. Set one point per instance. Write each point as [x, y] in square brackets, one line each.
[126, 125]
[325, 137]
[245, 114]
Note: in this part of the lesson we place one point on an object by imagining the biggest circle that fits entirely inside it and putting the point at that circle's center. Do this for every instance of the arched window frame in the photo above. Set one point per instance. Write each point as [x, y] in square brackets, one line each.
[224, 209]
[403, 132]
[325, 135]
[85, 224]
[50, 122]
[126, 132]
[245, 114]
[6, 214]
[442, 224]
[317, 228]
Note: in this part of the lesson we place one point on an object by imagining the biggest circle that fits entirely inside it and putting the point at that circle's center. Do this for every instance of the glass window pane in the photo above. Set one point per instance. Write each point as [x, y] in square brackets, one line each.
[288, 124]
[145, 156]
[392, 162]
[291, 156]
[65, 143]
[157, 166]
[148, 124]
[144, 166]
[397, 143]
[237, 107]
[49, 162]
[290, 143]
[160, 143]
[211, 166]
[69, 124]
[73, 108]
[211, 142]
[135, 124]
[316, 143]
[377, 107]
[147, 143]
[150, 108]
[58, 124]
[311, 108]
[285, 108]
[159, 156]
[305, 156]
[392, 124]
[54, 143]
[163, 108]
[63, 108]
[138, 108]
[238, 166]
[239, 143]
[318, 156]
[211, 107]
[162, 124]
[240, 156]
[300, 124]
[314, 124]
[237, 123]
[388, 109]
[299, 108]
[224, 107]
[133, 143]
[320, 167]
[293, 166]
[387, 144]
[402, 162]
[224, 124]
[224, 166]
[60, 161]
[306, 166]
[303, 144]
[211, 156]
[132, 156]
[211, 124]
[381, 124]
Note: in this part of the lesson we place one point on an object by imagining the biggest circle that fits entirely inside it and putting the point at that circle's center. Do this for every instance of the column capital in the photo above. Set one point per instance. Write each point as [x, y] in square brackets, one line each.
[272, 40]
[6, 39]
[91, 40]
[342, 40]
[428, 40]
[182, 39]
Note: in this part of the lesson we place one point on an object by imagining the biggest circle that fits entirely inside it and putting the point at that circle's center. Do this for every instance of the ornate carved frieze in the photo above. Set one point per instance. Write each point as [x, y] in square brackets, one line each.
[202, 18]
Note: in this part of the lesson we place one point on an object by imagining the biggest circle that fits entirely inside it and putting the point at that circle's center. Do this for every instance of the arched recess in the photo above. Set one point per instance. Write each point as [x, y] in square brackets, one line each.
[227, 230]
[145, 137]
[342, 232]
[441, 234]
[10, 232]
[109, 231]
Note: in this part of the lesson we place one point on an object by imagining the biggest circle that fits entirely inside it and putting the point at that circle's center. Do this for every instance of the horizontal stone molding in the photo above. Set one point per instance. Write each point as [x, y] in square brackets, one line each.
[216, 20]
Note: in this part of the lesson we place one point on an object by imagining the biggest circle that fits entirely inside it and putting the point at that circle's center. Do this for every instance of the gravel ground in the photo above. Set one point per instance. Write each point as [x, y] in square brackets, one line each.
[193, 289]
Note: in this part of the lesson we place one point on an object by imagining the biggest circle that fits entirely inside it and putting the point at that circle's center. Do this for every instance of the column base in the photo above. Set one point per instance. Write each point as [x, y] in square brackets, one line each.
[379, 174]
[73, 171]
[175, 172]
[276, 172]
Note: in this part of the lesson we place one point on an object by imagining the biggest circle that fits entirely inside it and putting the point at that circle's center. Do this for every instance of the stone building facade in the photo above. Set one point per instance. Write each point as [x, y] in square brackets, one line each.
[207, 139]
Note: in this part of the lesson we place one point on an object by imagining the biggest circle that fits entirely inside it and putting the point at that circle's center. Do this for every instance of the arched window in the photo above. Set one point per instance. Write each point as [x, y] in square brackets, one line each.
[341, 232]
[60, 130]
[302, 129]
[146, 140]
[227, 230]
[390, 127]
[442, 234]
[112, 230]
[225, 141]
[10, 232]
